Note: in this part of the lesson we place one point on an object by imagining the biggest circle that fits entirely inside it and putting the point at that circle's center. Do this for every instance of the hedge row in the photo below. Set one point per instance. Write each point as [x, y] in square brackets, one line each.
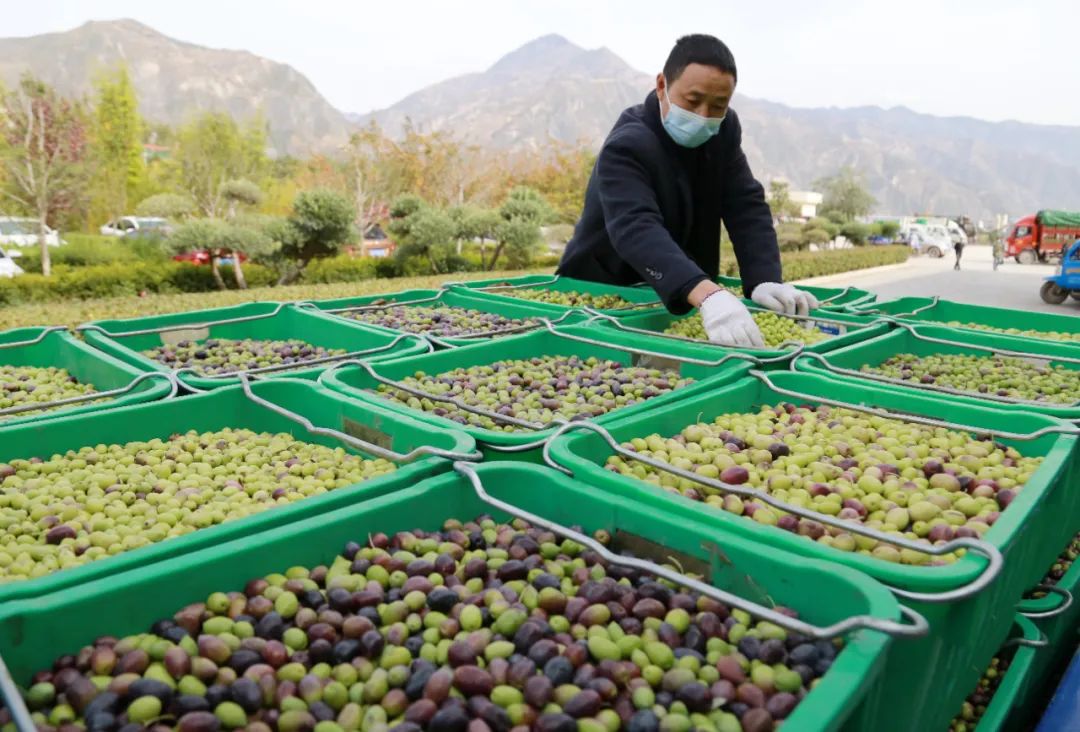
[804, 265]
[119, 279]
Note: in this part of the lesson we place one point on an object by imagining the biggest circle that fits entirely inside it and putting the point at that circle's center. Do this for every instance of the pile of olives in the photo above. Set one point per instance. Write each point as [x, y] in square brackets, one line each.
[481, 627]
[24, 385]
[922, 483]
[67, 510]
[444, 321]
[975, 705]
[538, 390]
[1061, 566]
[1005, 376]
[569, 298]
[226, 355]
[1049, 335]
[775, 329]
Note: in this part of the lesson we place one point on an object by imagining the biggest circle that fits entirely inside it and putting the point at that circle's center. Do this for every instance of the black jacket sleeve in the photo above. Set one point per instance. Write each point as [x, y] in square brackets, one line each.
[635, 225]
[749, 220]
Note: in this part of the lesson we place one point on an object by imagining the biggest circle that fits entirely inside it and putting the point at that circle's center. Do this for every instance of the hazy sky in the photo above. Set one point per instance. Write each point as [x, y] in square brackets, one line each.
[994, 59]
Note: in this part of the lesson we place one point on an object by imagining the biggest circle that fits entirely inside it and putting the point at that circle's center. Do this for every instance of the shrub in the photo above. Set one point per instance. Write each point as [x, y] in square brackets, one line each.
[87, 250]
[118, 279]
[340, 269]
[803, 265]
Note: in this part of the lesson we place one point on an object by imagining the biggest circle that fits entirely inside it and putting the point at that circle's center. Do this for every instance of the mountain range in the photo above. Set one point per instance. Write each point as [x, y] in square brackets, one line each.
[551, 88]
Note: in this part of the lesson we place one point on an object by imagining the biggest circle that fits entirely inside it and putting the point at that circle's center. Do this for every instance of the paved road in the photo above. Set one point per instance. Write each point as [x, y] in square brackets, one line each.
[1012, 285]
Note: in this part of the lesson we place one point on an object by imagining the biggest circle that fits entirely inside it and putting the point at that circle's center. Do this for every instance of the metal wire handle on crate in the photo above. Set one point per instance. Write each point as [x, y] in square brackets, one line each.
[368, 447]
[174, 387]
[1041, 642]
[493, 333]
[877, 311]
[919, 626]
[1066, 603]
[1063, 429]
[14, 702]
[525, 424]
[532, 285]
[304, 364]
[994, 559]
[187, 326]
[45, 330]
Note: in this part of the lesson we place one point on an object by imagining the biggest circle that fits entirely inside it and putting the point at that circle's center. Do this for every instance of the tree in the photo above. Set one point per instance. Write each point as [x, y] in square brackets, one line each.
[890, 229]
[323, 224]
[430, 232]
[522, 213]
[475, 223]
[166, 206]
[199, 234]
[789, 235]
[560, 173]
[780, 199]
[116, 138]
[42, 154]
[238, 193]
[856, 232]
[210, 151]
[845, 195]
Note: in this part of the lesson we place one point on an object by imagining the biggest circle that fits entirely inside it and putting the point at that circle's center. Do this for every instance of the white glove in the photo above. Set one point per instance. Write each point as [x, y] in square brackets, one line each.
[784, 298]
[728, 321]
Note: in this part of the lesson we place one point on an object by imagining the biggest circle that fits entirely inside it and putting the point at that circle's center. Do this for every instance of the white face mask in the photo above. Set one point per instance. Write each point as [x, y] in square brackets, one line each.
[687, 128]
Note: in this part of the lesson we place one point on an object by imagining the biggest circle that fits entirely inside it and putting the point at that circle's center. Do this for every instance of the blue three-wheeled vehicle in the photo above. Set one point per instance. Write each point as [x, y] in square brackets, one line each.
[1067, 282]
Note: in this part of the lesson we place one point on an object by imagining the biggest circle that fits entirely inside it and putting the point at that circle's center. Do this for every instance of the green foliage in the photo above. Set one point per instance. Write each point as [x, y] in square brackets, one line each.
[166, 206]
[119, 279]
[116, 138]
[789, 235]
[856, 232]
[779, 199]
[222, 236]
[889, 229]
[802, 265]
[845, 196]
[241, 192]
[322, 223]
[518, 234]
[820, 222]
[342, 269]
[211, 150]
[817, 236]
[86, 250]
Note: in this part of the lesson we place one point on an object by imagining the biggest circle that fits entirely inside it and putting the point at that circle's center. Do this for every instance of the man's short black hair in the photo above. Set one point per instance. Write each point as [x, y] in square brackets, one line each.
[699, 48]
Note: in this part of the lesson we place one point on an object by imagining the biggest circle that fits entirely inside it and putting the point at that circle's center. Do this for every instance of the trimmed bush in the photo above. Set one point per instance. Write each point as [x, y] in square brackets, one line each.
[803, 265]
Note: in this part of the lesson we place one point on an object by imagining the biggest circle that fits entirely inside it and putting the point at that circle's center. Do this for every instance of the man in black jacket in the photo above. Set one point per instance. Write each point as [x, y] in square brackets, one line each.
[669, 172]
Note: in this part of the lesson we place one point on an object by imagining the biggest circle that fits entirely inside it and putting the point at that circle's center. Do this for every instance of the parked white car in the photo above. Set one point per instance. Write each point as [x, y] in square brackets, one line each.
[135, 226]
[931, 240]
[22, 232]
[8, 268]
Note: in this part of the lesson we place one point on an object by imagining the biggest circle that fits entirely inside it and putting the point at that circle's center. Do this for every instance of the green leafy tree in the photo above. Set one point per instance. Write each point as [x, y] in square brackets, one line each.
[116, 141]
[856, 232]
[518, 234]
[816, 235]
[323, 224]
[820, 222]
[211, 150]
[474, 223]
[198, 234]
[780, 199]
[789, 235]
[166, 206]
[43, 154]
[890, 229]
[845, 195]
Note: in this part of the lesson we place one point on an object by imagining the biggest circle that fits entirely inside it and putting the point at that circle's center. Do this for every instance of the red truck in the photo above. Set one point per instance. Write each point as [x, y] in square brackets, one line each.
[1042, 236]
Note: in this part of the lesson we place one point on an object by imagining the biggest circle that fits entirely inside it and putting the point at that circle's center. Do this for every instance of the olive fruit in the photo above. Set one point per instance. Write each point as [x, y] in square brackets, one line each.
[444, 321]
[775, 329]
[22, 386]
[227, 355]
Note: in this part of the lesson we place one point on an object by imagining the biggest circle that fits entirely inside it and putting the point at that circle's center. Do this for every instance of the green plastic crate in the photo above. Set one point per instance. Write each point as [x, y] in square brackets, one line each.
[90, 366]
[229, 407]
[263, 320]
[845, 330]
[876, 350]
[496, 290]
[1007, 709]
[1058, 622]
[518, 310]
[964, 634]
[936, 310]
[830, 298]
[32, 634]
[356, 382]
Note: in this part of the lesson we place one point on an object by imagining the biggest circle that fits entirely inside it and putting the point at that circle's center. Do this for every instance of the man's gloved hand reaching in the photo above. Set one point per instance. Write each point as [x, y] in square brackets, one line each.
[784, 298]
[727, 321]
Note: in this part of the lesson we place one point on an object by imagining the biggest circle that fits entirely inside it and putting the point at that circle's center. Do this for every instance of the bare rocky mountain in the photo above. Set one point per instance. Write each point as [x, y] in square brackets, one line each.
[175, 80]
[913, 163]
